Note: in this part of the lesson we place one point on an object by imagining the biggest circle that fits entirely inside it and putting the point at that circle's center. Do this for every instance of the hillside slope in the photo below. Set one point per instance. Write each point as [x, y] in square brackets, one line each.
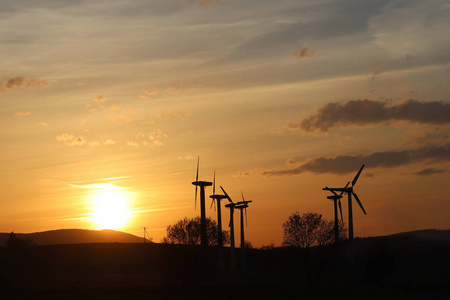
[73, 236]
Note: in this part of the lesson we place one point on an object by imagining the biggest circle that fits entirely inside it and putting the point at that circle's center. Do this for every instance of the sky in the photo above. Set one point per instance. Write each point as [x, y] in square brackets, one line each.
[114, 101]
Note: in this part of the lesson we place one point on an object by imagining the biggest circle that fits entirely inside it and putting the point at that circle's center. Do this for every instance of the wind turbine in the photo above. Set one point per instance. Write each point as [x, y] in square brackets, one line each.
[146, 236]
[242, 206]
[217, 198]
[231, 206]
[350, 192]
[337, 202]
[202, 185]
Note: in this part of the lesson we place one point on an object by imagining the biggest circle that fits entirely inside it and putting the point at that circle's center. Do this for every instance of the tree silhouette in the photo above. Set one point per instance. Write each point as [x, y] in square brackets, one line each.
[309, 229]
[187, 232]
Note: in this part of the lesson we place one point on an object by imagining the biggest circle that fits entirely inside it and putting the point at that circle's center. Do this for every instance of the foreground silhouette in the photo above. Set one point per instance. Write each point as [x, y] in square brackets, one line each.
[386, 266]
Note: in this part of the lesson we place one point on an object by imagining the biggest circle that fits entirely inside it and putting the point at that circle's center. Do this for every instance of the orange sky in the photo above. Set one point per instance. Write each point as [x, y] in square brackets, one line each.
[280, 98]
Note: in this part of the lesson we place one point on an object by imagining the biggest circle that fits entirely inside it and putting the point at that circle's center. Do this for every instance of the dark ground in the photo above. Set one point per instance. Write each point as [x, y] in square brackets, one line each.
[390, 267]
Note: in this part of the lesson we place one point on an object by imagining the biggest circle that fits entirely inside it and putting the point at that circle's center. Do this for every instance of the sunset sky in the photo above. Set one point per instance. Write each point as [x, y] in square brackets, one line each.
[116, 100]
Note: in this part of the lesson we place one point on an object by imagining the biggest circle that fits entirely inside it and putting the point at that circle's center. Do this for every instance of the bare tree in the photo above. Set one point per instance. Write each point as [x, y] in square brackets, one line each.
[187, 232]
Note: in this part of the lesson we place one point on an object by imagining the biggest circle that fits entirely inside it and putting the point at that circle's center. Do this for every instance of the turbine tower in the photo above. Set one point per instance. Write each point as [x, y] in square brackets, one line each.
[202, 185]
[350, 192]
[231, 206]
[218, 198]
[242, 206]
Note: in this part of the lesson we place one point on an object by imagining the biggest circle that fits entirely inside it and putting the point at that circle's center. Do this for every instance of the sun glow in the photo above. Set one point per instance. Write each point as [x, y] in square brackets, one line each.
[110, 207]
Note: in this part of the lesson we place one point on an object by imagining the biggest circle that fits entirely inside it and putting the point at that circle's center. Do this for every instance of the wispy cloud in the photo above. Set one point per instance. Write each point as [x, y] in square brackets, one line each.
[430, 171]
[37, 83]
[165, 117]
[366, 112]
[19, 114]
[115, 113]
[348, 163]
[148, 139]
[149, 93]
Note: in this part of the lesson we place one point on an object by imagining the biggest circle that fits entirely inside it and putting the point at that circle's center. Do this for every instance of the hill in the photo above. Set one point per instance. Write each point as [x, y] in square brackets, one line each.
[72, 236]
[432, 234]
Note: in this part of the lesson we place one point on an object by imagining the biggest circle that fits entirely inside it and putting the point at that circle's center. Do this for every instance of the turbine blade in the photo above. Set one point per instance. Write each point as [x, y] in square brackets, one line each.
[242, 196]
[357, 176]
[229, 199]
[196, 187]
[245, 211]
[198, 164]
[340, 209]
[359, 202]
[214, 183]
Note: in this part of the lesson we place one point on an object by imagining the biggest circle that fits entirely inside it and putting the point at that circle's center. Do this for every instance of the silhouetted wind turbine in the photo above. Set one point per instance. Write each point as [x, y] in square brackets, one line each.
[231, 206]
[146, 236]
[350, 192]
[337, 202]
[242, 205]
[202, 185]
[218, 198]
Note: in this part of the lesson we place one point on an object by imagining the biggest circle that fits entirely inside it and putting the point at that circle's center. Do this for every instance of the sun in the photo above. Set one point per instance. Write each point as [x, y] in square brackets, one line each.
[110, 208]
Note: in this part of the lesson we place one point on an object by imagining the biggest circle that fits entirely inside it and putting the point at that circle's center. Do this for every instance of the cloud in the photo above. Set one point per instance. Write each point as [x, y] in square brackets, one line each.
[15, 82]
[366, 112]
[166, 116]
[349, 163]
[304, 52]
[171, 90]
[116, 113]
[37, 83]
[147, 139]
[20, 81]
[64, 137]
[430, 171]
[71, 140]
[149, 93]
[204, 3]
[19, 114]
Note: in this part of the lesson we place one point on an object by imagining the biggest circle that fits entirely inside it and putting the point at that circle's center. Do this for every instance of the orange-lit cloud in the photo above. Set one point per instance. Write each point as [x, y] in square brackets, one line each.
[20, 114]
[170, 90]
[366, 112]
[149, 93]
[349, 163]
[71, 140]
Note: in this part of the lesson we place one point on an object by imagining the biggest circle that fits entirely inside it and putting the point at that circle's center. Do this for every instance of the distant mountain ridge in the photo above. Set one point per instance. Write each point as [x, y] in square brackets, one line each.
[73, 236]
[432, 234]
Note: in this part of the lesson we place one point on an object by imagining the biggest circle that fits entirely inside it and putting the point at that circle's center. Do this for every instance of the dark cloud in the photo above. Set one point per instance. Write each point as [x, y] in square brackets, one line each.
[348, 163]
[430, 171]
[15, 82]
[304, 52]
[204, 3]
[366, 112]
[19, 81]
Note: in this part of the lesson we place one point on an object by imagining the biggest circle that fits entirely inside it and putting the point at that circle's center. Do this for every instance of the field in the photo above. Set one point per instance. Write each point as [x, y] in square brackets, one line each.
[387, 266]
